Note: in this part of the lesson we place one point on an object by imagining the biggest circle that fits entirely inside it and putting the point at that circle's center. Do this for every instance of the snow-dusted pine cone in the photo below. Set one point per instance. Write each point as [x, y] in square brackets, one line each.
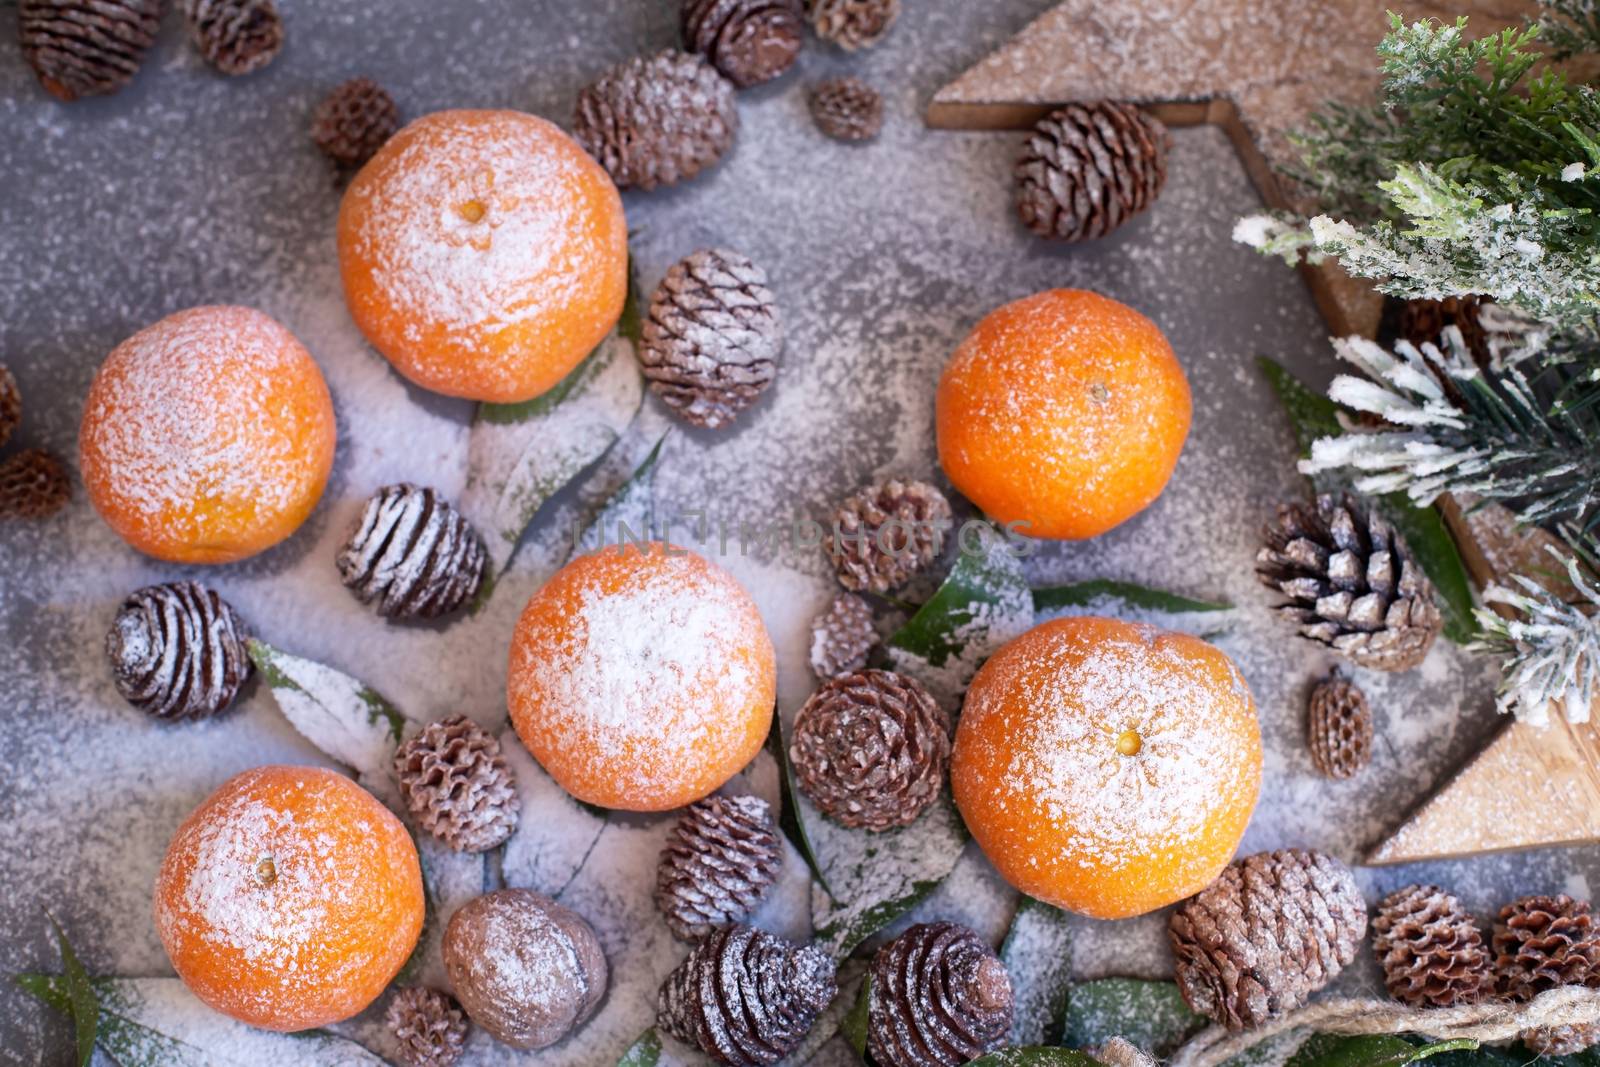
[846, 109]
[720, 861]
[1339, 727]
[886, 534]
[353, 121]
[1562, 1040]
[1431, 950]
[33, 485]
[938, 997]
[413, 553]
[1273, 929]
[178, 651]
[429, 1027]
[657, 120]
[842, 636]
[852, 24]
[749, 41]
[1088, 168]
[86, 47]
[745, 997]
[235, 36]
[458, 785]
[1544, 942]
[10, 404]
[712, 338]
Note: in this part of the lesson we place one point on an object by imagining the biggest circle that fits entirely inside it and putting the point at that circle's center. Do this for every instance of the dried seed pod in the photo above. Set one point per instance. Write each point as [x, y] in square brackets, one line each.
[33, 485]
[1339, 727]
[846, 109]
[353, 121]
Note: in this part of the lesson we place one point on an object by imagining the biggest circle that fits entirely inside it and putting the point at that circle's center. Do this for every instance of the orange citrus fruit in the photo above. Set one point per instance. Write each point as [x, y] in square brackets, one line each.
[290, 898]
[484, 253]
[642, 678]
[1107, 767]
[208, 436]
[1063, 412]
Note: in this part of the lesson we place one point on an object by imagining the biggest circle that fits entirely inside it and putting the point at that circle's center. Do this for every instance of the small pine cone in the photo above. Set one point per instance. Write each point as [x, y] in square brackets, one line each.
[33, 485]
[719, 862]
[1542, 942]
[1552, 1041]
[1431, 951]
[458, 785]
[886, 534]
[428, 1025]
[853, 24]
[1351, 582]
[842, 636]
[938, 997]
[86, 47]
[870, 749]
[10, 404]
[1339, 726]
[413, 553]
[749, 41]
[712, 338]
[353, 122]
[235, 36]
[657, 120]
[1424, 321]
[745, 997]
[1088, 168]
[178, 651]
[847, 109]
[1273, 929]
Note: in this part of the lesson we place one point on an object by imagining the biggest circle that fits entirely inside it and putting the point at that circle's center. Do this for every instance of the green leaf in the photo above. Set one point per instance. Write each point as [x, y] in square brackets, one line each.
[1311, 415]
[70, 993]
[645, 1052]
[630, 513]
[1036, 1056]
[789, 813]
[1082, 594]
[1037, 953]
[853, 1028]
[1381, 1050]
[631, 324]
[1152, 1015]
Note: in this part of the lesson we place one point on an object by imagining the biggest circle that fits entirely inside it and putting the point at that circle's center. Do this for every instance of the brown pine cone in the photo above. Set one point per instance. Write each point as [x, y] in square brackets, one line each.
[413, 553]
[458, 785]
[10, 404]
[33, 485]
[749, 41]
[1544, 942]
[842, 636]
[870, 749]
[353, 121]
[846, 109]
[886, 534]
[1431, 951]
[1562, 1040]
[1339, 727]
[657, 120]
[1088, 168]
[1424, 321]
[429, 1027]
[235, 36]
[178, 651]
[853, 24]
[938, 997]
[1273, 929]
[745, 997]
[712, 338]
[719, 862]
[86, 47]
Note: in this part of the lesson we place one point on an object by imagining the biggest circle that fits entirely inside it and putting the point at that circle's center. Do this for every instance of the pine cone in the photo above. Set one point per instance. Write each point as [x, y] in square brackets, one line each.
[657, 120]
[428, 1025]
[745, 997]
[1542, 942]
[353, 122]
[1562, 1040]
[413, 553]
[1339, 726]
[1424, 321]
[938, 997]
[457, 784]
[853, 24]
[847, 109]
[1088, 168]
[886, 534]
[712, 338]
[719, 862]
[33, 485]
[749, 41]
[1272, 930]
[1430, 949]
[178, 651]
[870, 749]
[10, 404]
[842, 636]
[1351, 582]
[235, 36]
[86, 47]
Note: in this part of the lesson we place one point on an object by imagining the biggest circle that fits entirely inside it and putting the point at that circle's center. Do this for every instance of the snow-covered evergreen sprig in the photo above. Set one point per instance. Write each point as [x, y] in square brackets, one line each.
[1551, 647]
[1568, 27]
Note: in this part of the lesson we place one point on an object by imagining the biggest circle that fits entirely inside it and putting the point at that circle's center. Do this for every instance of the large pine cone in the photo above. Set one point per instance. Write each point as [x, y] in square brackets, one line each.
[749, 41]
[178, 651]
[33, 485]
[429, 1027]
[853, 24]
[353, 121]
[1351, 582]
[870, 749]
[1273, 929]
[746, 997]
[842, 636]
[719, 862]
[657, 120]
[938, 997]
[846, 109]
[1339, 727]
[1088, 168]
[887, 534]
[712, 338]
[235, 36]
[458, 785]
[86, 47]
[1431, 951]
[413, 553]
[10, 404]
[1544, 942]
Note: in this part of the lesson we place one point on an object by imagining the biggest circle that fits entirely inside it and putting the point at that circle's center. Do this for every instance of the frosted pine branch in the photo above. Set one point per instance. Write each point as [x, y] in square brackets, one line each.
[1551, 648]
[1570, 26]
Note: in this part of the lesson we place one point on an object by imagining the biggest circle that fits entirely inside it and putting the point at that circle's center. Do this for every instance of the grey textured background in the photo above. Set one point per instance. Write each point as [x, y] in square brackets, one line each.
[189, 188]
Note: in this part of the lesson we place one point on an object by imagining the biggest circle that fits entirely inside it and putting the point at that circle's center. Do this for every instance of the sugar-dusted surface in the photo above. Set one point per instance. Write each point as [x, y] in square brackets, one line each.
[190, 189]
